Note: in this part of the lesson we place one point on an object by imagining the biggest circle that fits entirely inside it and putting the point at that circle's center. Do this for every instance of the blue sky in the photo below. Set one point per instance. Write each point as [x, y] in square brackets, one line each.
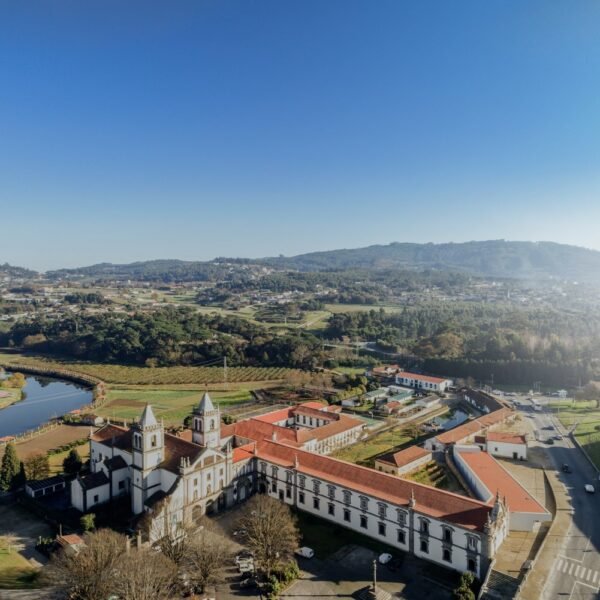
[138, 130]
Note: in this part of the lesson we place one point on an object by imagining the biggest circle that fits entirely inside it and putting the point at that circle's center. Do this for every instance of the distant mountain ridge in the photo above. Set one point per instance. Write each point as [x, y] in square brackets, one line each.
[494, 258]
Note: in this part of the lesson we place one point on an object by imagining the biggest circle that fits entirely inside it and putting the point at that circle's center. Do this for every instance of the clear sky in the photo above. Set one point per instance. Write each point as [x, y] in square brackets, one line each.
[137, 130]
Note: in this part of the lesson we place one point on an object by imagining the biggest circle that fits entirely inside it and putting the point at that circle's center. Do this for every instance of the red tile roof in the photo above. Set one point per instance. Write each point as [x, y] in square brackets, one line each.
[464, 512]
[506, 437]
[474, 426]
[315, 405]
[420, 377]
[497, 480]
[404, 457]
[274, 416]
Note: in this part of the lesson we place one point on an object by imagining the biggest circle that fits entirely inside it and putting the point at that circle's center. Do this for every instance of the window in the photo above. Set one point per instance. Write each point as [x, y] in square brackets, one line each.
[347, 496]
[447, 535]
[401, 537]
[96, 499]
[212, 424]
[472, 543]
[447, 555]
[346, 515]
[316, 503]
[424, 526]
[153, 442]
[263, 467]
[288, 492]
[363, 521]
[274, 471]
[381, 528]
[364, 503]
[382, 509]
[122, 485]
[316, 486]
[471, 565]
[273, 486]
[401, 517]
[331, 491]
[301, 480]
[288, 476]
[425, 546]
[301, 497]
[196, 481]
[331, 509]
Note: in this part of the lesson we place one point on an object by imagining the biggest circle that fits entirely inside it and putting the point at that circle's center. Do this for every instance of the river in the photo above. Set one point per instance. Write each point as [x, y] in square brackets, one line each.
[44, 398]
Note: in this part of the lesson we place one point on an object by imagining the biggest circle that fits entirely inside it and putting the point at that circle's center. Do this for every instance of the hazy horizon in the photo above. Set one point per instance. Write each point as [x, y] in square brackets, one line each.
[142, 130]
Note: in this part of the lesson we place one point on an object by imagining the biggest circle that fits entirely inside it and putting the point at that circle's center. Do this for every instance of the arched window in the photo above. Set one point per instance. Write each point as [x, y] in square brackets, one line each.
[212, 424]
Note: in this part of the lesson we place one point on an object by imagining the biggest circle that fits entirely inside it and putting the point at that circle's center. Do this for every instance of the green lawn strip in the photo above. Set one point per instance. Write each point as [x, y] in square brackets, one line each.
[56, 460]
[16, 572]
[587, 417]
[363, 453]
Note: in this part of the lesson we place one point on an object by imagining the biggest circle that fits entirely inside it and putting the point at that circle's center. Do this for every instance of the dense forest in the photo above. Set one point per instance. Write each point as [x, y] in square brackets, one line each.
[162, 338]
[478, 339]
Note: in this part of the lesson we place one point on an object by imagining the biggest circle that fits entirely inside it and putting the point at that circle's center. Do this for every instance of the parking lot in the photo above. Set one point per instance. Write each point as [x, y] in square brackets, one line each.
[342, 565]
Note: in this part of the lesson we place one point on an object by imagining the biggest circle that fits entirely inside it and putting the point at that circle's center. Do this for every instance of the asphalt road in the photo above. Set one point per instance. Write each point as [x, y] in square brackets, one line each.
[576, 570]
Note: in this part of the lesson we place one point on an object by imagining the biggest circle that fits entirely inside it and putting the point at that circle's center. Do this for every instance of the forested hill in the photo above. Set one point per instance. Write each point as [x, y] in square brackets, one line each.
[7, 270]
[497, 258]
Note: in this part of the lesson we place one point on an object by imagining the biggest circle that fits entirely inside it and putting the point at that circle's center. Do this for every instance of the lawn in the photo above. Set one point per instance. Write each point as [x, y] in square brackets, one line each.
[171, 405]
[16, 572]
[364, 452]
[56, 460]
[437, 476]
[586, 418]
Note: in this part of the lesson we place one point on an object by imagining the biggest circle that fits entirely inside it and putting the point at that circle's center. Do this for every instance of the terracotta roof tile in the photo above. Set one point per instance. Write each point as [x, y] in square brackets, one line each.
[464, 512]
[506, 437]
[404, 457]
[497, 479]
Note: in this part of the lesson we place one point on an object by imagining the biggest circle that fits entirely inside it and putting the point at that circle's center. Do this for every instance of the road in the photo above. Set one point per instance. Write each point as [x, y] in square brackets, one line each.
[576, 571]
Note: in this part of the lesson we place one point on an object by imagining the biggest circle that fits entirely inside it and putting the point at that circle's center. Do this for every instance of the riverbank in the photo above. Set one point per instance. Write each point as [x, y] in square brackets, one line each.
[9, 396]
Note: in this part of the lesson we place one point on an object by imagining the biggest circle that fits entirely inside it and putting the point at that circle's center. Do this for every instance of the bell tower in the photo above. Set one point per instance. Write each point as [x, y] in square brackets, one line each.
[148, 451]
[206, 423]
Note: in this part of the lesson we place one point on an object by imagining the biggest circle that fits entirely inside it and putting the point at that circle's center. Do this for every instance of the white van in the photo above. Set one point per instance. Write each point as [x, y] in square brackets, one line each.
[305, 552]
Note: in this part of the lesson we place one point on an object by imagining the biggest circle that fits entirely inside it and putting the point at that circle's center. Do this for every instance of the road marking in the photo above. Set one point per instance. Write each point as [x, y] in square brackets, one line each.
[560, 564]
[577, 571]
[595, 577]
[589, 575]
[571, 568]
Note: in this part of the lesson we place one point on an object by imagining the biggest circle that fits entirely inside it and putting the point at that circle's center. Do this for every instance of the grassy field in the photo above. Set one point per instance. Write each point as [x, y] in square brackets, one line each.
[363, 453]
[119, 374]
[16, 572]
[171, 405]
[437, 476]
[349, 308]
[586, 417]
[56, 460]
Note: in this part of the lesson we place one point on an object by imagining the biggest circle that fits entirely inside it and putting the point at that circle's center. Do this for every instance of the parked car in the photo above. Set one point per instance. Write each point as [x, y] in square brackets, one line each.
[550, 441]
[384, 558]
[243, 556]
[305, 552]
[558, 437]
[566, 468]
[248, 582]
[589, 488]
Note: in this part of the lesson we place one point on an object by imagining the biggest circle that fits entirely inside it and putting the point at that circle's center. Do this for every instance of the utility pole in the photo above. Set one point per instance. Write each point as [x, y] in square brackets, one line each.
[225, 370]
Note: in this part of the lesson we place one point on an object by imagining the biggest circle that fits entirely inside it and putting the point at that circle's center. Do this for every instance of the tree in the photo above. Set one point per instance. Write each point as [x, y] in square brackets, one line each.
[271, 531]
[144, 574]
[72, 463]
[207, 550]
[37, 466]
[88, 522]
[464, 590]
[9, 469]
[88, 575]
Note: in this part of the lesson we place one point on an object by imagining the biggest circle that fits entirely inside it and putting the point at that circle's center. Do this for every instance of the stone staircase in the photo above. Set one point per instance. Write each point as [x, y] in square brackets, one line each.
[500, 587]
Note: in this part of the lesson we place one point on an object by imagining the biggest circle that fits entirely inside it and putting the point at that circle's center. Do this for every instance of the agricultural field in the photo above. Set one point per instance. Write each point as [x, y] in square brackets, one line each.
[59, 436]
[171, 405]
[585, 416]
[119, 374]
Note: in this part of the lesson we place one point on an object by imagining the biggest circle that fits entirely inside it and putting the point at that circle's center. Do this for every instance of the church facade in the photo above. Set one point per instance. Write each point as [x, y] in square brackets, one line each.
[178, 478]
